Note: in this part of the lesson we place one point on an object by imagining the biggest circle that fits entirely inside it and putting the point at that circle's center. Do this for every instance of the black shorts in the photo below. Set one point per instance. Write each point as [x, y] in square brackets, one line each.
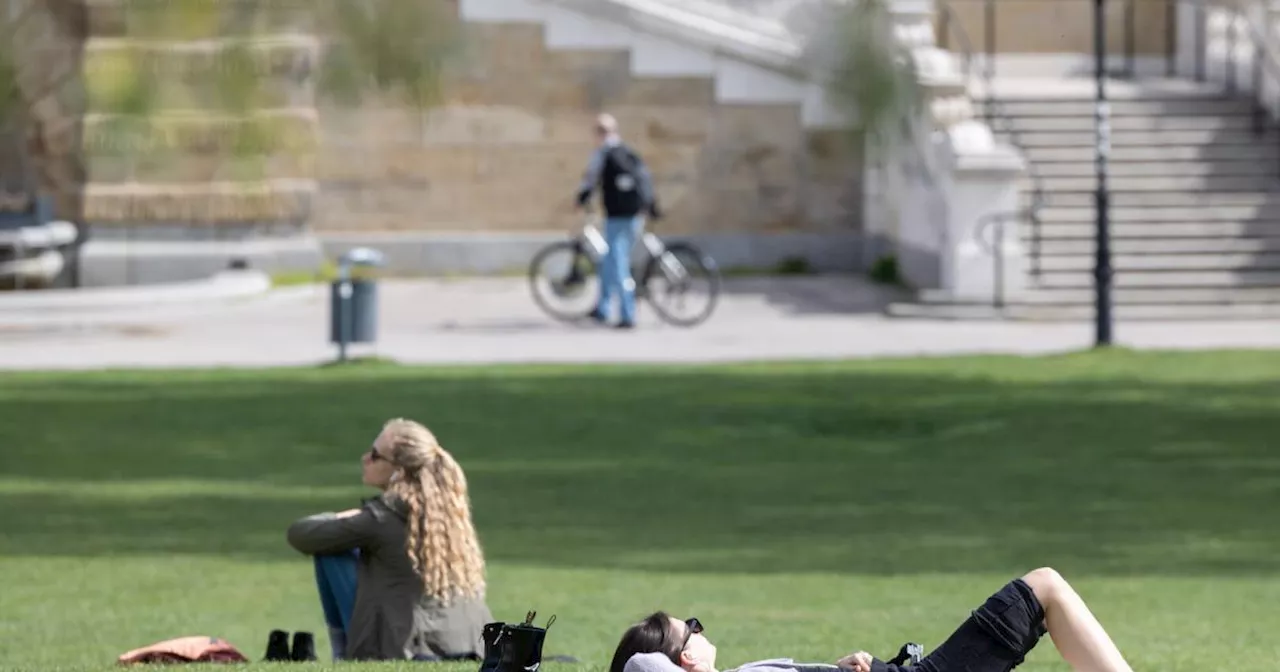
[996, 636]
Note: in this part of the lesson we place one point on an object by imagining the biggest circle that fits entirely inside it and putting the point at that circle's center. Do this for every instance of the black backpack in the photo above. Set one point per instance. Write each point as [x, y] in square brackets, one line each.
[621, 182]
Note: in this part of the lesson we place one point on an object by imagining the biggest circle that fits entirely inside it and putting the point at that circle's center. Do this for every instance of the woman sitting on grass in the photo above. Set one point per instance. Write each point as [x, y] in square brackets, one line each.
[994, 638]
[403, 575]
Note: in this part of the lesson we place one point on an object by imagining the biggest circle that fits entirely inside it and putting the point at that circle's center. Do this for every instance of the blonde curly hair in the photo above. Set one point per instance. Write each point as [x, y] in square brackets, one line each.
[441, 540]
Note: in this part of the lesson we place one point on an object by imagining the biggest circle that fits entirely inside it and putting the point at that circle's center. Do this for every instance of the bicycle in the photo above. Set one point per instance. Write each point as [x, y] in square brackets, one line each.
[669, 272]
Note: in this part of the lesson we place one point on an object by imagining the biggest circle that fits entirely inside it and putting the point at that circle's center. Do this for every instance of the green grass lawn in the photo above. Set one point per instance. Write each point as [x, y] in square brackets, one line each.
[798, 510]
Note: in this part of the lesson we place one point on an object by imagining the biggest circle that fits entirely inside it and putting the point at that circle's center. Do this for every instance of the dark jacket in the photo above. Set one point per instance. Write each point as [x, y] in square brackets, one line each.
[392, 619]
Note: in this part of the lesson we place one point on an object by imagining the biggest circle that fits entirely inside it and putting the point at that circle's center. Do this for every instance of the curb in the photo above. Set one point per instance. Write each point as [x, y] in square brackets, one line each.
[221, 287]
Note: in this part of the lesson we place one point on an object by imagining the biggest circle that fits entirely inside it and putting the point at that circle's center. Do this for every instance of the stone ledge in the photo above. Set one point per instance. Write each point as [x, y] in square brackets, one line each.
[116, 263]
[493, 254]
[218, 286]
[273, 55]
[111, 18]
[275, 200]
[282, 129]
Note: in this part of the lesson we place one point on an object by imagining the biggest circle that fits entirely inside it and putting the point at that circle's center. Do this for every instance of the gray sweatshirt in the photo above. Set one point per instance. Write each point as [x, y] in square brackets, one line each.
[657, 662]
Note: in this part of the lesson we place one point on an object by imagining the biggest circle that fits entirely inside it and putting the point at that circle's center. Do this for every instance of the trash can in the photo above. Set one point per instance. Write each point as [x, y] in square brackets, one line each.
[353, 301]
[359, 314]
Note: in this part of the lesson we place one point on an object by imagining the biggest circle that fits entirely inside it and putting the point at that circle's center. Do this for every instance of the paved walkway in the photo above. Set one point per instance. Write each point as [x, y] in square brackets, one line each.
[494, 320]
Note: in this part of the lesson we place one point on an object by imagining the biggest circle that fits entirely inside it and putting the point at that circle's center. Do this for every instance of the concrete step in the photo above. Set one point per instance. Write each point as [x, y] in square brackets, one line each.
[1225, 106]
[1224, 183]
[1182, 296]
[1262, 261]
[1050, 247]
[1174, 201]
[1262, 216]
[267, 201]
[1160, 138]
[1155, 279]
[1260, 152]
[1131, 296]
[1122, 125]
[1057, 87]
[1162, 168]
[1166, 231]
[1084, 312]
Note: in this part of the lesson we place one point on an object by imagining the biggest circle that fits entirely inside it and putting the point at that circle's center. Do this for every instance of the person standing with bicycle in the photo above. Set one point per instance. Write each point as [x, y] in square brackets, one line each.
[626, 193]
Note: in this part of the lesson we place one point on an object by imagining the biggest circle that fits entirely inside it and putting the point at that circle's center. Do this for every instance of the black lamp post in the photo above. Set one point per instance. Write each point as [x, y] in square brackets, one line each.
[1102, 271]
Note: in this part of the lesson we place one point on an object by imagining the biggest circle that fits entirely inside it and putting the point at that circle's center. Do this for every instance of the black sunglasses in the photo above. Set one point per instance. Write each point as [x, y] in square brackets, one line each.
[695, 628]
[374, 455]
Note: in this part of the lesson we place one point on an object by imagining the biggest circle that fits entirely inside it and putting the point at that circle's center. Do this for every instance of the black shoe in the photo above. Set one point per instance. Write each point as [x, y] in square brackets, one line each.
[597, 317]
[304, 647]
[625, 325]
[277, 646]
[492, 651]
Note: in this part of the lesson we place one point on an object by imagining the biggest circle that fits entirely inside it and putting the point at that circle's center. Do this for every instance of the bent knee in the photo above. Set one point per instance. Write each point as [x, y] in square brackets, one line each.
[1044, 582]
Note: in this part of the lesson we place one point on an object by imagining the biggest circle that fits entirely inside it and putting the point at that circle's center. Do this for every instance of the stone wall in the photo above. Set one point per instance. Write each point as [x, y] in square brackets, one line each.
[506, 150]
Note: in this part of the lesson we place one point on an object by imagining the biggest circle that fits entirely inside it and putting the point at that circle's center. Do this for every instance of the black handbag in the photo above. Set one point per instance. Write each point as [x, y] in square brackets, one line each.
[514, 648]
[910, 654]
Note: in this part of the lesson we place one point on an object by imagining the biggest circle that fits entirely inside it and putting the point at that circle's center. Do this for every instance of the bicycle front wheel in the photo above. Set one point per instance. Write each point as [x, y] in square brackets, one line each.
[564, 282]
[682, 285]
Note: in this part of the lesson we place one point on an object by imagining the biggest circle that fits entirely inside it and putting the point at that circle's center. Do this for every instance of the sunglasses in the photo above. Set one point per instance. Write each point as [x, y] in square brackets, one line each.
[374, 455]
[695, 628]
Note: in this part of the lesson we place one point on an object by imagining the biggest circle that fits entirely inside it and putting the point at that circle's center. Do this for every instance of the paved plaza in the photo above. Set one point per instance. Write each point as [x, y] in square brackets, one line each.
[493, 320]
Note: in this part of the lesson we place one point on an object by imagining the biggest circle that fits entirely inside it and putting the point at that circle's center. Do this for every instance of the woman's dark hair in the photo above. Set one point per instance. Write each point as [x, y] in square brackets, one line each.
[652, 635]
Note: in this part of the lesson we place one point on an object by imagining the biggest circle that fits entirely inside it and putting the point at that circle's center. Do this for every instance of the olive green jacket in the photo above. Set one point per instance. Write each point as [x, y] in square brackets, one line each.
[392, 619]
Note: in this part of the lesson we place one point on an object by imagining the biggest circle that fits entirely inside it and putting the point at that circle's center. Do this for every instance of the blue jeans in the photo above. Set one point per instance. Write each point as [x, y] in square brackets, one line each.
[336, 581]
[615, 268]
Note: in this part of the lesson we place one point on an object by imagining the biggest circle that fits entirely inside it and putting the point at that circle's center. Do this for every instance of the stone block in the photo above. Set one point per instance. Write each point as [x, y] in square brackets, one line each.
[778, 125]
[571, 125]
[220, 202]
[428, 165]
[371, 125]
[673, 91]
[670, 162]
[659, 123]
[763, 209]
[483, 125]
[505, 47]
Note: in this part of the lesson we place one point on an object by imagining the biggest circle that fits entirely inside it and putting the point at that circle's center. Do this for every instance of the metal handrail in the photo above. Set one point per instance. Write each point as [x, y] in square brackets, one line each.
[994, 113]
[1263, 56]
[994, 246]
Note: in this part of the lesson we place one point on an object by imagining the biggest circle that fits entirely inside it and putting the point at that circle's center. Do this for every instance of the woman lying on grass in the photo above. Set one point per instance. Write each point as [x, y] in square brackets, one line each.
[403, 575]
[995, 638]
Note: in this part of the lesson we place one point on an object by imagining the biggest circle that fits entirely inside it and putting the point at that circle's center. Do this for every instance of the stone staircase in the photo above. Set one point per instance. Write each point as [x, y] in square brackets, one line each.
[1195, 205]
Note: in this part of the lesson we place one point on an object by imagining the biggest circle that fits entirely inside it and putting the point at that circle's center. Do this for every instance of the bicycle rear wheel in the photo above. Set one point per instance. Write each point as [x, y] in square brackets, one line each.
[674, 282]
[564, 282]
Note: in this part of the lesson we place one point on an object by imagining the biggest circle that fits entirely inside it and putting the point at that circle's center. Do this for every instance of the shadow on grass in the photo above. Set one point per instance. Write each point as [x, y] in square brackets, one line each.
[913, 468]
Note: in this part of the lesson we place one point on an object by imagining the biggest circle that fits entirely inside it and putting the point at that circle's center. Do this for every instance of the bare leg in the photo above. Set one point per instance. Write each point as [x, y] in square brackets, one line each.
[1080, 638]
